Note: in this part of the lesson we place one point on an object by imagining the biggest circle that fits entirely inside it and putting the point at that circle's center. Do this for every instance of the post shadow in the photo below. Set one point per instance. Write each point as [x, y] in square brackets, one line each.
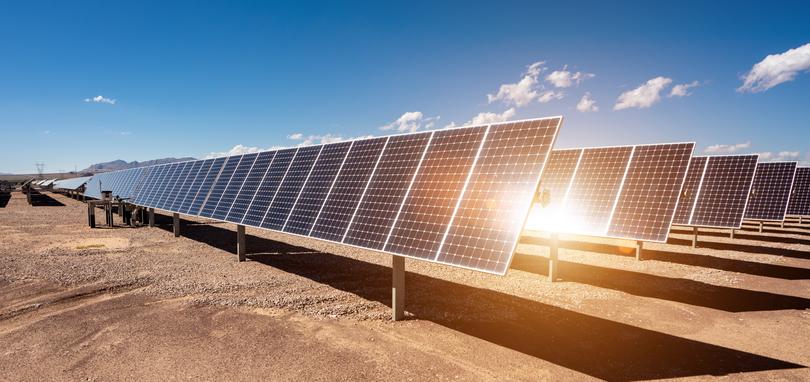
[749, 248]
[742, 234]
[598, 347]
[684, 258]
[39, 199]
[4, 198]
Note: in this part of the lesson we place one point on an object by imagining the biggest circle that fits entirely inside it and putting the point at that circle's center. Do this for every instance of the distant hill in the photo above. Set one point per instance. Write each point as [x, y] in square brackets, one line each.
[123, 165]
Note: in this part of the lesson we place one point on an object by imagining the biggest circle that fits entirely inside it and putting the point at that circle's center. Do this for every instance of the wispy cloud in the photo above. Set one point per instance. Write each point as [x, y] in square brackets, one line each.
[776, 69]
[236, 150]
[586, 104]
[488, 117]
[100, 99]
[125, 133]
[682, 90]
[550, 95]
[410, 122]
[564, 78]
[522, 92]
[727, 149]
[769, 156]
[643, 96]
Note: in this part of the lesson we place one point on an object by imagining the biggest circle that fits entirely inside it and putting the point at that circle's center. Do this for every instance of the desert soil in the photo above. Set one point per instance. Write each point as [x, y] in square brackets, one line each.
[139, 304]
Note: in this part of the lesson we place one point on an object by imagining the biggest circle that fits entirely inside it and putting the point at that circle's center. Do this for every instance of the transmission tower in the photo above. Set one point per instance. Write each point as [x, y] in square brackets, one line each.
[40, 169]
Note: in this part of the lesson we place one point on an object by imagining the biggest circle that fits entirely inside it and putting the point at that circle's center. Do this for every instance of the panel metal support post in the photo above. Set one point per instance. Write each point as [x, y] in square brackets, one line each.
[176, 223]
[639, 250]
[732, 233]
[694, 237]
[240, 242]
[800, 219]
[151, 217]
[398, 288]
[553, 258]
[91, 215]
[761, 225]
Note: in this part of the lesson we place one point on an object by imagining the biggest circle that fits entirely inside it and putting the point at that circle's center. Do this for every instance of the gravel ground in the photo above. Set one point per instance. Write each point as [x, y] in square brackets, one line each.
[730, 307]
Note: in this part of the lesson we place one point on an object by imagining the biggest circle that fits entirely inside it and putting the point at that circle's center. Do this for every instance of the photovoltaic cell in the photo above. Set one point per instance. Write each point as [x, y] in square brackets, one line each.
[174, 184]
[268, 187]
[290, 187]
[205, 185]
[498, 194]
[348, 189]
[181, 193]
[234, 185]
[429, 205]
[194, 187]
[314, 192]
[689, 192]
[800, 197]
[378, 208]
[171, 181]
[770, 192]
[218, 187]
[650, 192]
[163, 181]
[249, 187]
[724, 191]
[558, 174]
[594, 190]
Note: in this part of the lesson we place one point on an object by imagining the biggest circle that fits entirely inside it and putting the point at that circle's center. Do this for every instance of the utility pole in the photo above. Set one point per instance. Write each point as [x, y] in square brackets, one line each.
[40, 169]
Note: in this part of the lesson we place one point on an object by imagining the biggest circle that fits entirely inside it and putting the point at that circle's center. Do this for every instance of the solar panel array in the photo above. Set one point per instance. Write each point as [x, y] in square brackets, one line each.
[628, 192]
[800, 196]
[456, 196]
[770, 192]
[716, 191]
[121, 183]
[71, 184]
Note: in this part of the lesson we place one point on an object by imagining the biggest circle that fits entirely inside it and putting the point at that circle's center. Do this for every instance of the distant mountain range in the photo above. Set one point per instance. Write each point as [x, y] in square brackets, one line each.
[123, 165]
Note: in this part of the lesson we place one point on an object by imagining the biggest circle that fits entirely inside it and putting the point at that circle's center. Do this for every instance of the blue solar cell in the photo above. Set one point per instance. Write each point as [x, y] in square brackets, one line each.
[345, 196]
[249, 187]
[290, 187]
[205, 186]
[219, 185]
[268, 187]
[316, 188]
[234, 185]
[194, 187]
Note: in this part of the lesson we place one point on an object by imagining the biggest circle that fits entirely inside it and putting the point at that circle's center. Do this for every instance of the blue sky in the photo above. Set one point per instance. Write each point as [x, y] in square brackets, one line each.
[194, 78]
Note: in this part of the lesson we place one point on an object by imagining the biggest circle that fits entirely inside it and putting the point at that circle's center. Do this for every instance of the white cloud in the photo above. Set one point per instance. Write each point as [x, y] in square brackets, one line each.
[295, 136]
[727, 149]
[643, 96]
[776, 69]
[587, 104]
[779, 156]
[125, 133]
[411, 121]
[549, 95]
[100, 99]
[564, 79]
[682, 90]
[236, 150]
[487, 117]
[524, 91]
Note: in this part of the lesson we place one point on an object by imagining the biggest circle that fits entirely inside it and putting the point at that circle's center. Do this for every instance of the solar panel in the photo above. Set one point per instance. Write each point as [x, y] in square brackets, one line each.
[628, 192]
[291, 187]
[249, 187]
[650, 192]
[425, 214]
[234, 185]
[218, 186]
[800, 196]
[491, 212]
[205, 185]
[317, 187]
[724, 191]
[594, 190]
[689, 192]
[343, 200]
[456, 196]
[372, 221]
[770, 192]
[194, 187]
[268, 187]
[181, 193]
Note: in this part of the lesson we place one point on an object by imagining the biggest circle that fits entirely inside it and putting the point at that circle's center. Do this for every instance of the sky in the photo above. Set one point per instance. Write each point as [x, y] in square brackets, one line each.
[88, 82]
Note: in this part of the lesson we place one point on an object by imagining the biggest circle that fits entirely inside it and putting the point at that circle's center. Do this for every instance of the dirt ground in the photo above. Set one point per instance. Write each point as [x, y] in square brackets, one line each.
[139, 304]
